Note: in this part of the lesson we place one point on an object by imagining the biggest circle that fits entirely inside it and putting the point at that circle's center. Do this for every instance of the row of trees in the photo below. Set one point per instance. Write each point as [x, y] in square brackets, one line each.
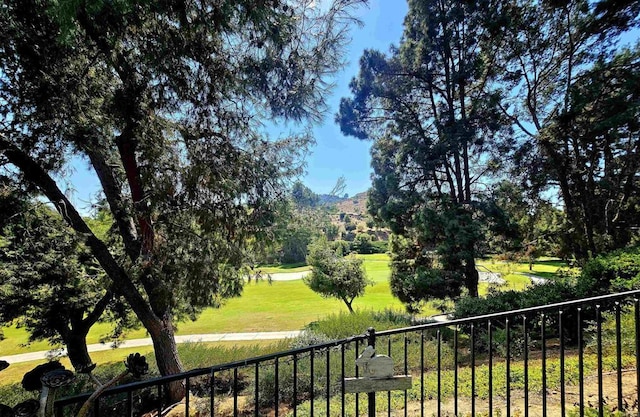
[161, 99]
[480, 91]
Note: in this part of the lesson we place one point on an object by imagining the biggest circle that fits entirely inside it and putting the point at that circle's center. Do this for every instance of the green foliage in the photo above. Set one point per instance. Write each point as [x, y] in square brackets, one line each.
[499, 301]
[303, 196]
[574, 132]
[49, 281]
[341, 325]
[416, 277]
[613, 272]
[301, 229]
[162, 101]
[334, 275]
[363, 244]
[530, 227]
[431, 122]
[341, 247]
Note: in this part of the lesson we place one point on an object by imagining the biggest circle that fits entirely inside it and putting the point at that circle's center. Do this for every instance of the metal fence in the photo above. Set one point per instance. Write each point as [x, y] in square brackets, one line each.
[572, 358]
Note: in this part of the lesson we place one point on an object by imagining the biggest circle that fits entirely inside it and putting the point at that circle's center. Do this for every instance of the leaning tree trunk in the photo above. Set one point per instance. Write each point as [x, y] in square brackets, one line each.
[164, 345]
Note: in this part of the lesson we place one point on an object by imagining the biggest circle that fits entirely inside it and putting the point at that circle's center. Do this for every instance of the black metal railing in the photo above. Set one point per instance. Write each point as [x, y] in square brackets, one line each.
[577, 357]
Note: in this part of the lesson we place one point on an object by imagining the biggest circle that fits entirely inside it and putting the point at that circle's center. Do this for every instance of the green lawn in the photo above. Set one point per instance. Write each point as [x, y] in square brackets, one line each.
[286, 305]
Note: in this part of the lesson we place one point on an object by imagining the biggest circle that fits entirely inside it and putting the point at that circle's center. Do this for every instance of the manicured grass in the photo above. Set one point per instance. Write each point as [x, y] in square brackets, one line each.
[286, 305]
[263, 306]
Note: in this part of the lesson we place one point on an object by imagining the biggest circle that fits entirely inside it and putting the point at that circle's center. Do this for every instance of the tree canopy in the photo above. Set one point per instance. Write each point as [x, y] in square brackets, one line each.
[162, 99]
[437, 132]
[49, 281]
[334, 275]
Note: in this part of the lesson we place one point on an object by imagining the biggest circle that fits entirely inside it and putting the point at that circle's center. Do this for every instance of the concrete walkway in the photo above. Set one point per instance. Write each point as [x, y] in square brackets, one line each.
[214, 337]
[535, 280]
[288, 276]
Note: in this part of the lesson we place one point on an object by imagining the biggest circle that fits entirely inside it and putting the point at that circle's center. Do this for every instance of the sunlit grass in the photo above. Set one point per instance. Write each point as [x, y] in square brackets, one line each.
[289, 305]
[192, 355]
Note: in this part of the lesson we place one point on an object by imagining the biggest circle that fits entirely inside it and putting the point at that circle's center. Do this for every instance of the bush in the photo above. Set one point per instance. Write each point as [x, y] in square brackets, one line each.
[380, 246]
[613, 272]
[538, 295]
[341, 247]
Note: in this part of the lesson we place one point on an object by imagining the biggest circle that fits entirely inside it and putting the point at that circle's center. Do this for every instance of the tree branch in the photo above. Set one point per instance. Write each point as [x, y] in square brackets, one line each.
[40, 178]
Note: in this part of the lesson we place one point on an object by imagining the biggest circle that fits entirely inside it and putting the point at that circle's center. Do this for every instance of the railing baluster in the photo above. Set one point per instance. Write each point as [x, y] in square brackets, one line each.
[543, 339]
[212, 388]
[389, 392]
[129, 403]
[342, 373]
[328, 370]
[406, 372]
[508, 365]
[159, 400]
[580, 363]
[599, 347]
[187, 384]
[473, 370]
[619, 356]
[235, 392]
[256, 394]
[276, 388]
[636, 311]
[357, 352]
[455, 370]
[422, 373]
[312, 355]
[490, 337]
[439, 337]
[295, 385]
[562, 379]
[525, 329]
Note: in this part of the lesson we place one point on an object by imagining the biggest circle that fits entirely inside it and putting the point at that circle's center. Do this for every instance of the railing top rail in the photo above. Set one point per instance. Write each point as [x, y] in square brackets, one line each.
[209, 370]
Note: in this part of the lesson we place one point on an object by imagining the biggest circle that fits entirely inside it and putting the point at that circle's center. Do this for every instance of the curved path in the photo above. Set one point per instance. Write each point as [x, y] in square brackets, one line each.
[286, 276]
[213, 337]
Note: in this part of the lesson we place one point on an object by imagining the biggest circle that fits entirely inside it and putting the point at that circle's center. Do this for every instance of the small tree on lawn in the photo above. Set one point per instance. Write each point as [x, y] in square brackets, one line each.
[334, 275]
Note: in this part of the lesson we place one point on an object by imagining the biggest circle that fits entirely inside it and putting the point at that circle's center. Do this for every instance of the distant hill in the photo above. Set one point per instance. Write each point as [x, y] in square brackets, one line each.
[356, 204]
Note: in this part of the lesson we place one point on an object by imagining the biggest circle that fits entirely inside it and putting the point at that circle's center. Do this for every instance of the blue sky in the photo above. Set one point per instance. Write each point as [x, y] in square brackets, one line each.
[334, 155]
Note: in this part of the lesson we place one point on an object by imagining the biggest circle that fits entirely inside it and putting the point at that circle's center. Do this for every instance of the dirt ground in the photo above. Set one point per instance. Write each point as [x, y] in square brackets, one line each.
[572, 401]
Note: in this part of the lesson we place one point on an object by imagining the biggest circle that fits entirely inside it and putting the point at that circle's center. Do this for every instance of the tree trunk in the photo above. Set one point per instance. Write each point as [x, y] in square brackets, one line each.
[471, 277]
[164, 345]
[348, 304]
[77, 351]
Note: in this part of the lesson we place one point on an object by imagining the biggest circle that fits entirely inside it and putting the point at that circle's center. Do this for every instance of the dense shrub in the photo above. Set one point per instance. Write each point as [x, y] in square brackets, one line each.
[613, 272]
[341, 246]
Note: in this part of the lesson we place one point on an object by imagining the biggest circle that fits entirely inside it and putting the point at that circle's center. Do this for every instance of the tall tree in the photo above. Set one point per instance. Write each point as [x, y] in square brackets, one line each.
[163, 99]
[550, 51]
[437, 133]
[596, 144]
